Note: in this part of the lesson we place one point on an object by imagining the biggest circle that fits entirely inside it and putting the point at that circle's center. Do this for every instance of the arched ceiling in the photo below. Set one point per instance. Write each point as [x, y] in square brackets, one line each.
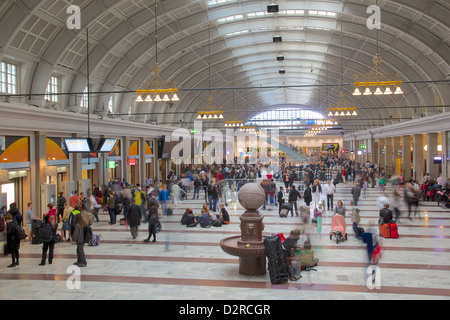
[228, 45]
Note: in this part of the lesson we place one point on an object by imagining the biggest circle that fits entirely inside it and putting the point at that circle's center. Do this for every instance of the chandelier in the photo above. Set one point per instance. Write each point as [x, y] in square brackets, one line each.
[342, 108]
[210, 112]
[377, 78]
[234, 123]
[157, 86]
[320, 126]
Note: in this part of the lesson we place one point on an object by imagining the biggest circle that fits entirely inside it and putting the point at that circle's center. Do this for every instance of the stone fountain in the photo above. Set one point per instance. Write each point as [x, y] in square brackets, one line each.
[249, 246]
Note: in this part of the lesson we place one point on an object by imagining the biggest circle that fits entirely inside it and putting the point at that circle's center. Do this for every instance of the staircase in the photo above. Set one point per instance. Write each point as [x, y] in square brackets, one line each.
[291, 155]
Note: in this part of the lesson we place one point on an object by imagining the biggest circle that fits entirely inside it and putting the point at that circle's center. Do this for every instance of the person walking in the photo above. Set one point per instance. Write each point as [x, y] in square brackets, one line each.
[153, 222]
[49, 245]
[307, 195]
[294, 195]
[316, 192]
[78, 238]
[330, 190]
[163, 198]
[134, 218]
[356, 193]
[60, 206]
[280, 199]
[318, 212]
[12, 239]
[111, 202]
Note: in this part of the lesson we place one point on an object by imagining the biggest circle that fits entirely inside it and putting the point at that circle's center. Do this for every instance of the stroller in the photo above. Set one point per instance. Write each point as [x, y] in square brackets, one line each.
[338, 228]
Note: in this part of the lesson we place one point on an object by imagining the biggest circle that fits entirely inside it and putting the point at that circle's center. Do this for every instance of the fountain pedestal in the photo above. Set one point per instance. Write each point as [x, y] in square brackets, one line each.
[249, 246]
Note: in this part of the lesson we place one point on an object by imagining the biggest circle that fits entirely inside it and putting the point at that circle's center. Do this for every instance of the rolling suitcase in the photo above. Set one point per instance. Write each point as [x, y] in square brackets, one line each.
[276, 262]
[385, 230]
[285, 208]
[393, 230]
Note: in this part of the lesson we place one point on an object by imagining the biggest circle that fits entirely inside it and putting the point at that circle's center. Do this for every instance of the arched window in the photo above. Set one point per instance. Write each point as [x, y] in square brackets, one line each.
[285, 118]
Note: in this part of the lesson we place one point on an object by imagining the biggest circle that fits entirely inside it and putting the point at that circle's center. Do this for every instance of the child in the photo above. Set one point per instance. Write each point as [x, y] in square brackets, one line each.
[318, 212]
[355, 219]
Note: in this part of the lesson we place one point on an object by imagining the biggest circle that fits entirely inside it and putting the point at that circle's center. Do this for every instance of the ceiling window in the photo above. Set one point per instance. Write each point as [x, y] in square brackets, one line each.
[8, 78]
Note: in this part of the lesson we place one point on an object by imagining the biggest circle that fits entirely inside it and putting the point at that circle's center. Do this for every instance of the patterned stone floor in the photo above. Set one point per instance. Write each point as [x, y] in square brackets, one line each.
[188, 263]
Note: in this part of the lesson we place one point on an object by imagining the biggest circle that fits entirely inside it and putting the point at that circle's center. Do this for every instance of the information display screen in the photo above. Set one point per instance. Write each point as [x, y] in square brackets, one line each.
[107, 145]
[78, 145]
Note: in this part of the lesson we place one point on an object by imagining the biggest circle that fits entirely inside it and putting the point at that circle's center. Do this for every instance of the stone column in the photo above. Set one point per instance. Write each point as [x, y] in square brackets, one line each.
[395, 156]
[142, 162]
[38, 162]
[381, 158]
[388, 156]
[418, 157]
[125, 150]
[406, 158]
[157, 175]
[432, 142]
[445, 164]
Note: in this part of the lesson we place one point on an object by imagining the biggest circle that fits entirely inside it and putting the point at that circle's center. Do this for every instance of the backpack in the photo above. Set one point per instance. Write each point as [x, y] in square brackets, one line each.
[87, 231]
[21, 234]
[2, 225]
[45, 233]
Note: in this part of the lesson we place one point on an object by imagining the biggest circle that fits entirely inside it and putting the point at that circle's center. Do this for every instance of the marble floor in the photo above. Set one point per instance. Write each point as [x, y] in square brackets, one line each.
[188, 263]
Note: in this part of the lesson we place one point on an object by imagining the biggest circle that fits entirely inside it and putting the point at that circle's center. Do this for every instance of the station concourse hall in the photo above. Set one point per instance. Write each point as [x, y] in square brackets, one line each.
[238, 152]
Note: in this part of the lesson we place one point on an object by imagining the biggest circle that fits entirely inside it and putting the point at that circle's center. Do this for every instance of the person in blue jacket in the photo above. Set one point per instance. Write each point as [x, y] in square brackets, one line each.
[163, 198]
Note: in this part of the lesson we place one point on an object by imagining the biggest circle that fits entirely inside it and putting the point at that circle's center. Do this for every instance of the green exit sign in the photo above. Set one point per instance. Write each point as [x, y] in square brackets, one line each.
[111, 164]
[362, 147]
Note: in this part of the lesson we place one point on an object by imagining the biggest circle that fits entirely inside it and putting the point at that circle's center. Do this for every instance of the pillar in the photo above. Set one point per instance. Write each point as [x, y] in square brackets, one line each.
[395, 156]
[157, 175]
[381, 159]
[418, 157]
[38, 162]
[388, 156]
[142, 162]
[76, 165]
[445, 148]
[406, 158]
[124, 151]
[432, 143]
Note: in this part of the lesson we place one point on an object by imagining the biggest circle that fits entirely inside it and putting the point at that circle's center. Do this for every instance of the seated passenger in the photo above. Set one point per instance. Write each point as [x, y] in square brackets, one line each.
[205, 219]
[188, 217]
[224, 217]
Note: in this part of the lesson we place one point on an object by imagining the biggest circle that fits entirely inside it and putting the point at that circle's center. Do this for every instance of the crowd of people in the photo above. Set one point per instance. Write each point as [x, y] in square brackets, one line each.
[151, 203]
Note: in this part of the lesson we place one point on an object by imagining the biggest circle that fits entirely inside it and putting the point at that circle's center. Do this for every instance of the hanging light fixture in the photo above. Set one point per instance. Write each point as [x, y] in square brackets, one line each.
[388, 91]
[357, 92]
[378, 77]
[367, 92]
[212, 111]
[378, 91]
[157, 84]
[398, 90]
[148, 98]
[341, 108]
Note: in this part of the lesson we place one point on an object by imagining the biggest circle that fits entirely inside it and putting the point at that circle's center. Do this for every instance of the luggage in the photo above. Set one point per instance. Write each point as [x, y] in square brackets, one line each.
[169, 211]
[278, 271]
[360, 231]
[393, 230]
[284, 213]
[385, 230]
[285, 208]
[95, 240]
[123, 221]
